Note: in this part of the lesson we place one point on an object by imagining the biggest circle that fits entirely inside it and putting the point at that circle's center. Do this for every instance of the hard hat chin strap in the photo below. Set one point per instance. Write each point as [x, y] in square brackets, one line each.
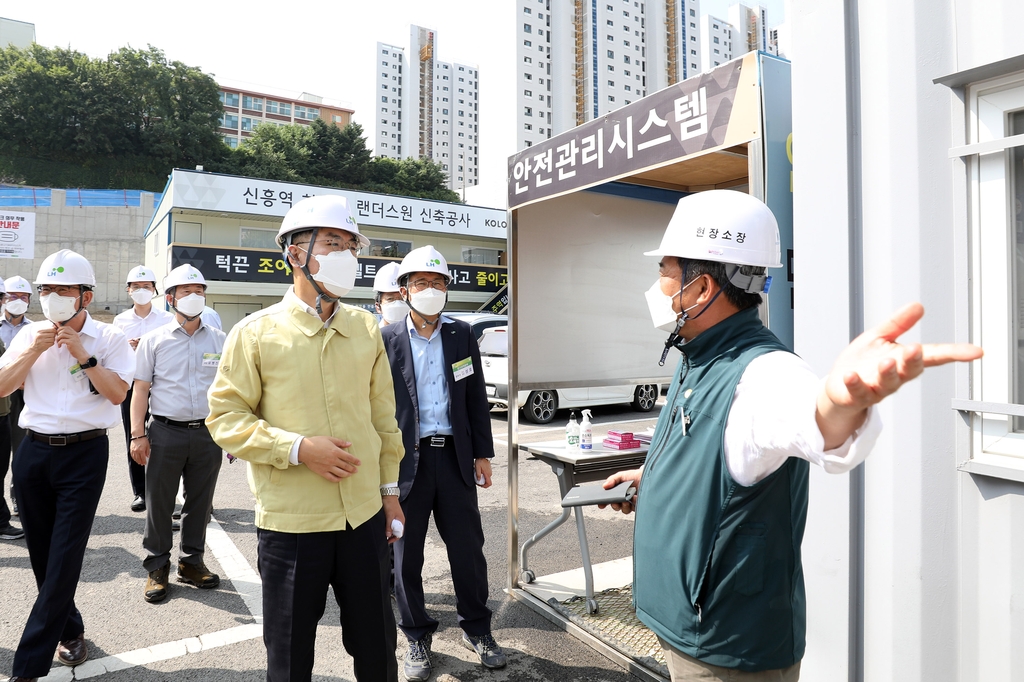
[321, 295]
[673, 337]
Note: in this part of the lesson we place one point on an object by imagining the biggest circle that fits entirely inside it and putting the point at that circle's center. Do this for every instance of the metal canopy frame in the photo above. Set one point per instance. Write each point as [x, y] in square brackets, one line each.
[742, 149]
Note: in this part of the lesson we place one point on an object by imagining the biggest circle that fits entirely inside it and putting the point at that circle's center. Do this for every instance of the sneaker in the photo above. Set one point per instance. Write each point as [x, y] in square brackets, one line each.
[198, 575]
[9, 532]
[156, 584]
[417, 660]
[491, 655]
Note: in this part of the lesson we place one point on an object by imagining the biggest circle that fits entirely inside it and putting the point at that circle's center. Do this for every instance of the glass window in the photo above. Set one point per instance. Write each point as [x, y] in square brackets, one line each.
[527, 28]
[229, 99]
[249, 124]
[481, 255]
[997, 263]
[231, 141]
[389, 248]
[253, 103]
[229, 121]
[257, 238]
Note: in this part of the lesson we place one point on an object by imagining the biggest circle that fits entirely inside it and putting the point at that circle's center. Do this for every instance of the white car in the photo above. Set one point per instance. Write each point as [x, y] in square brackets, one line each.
[540, 406]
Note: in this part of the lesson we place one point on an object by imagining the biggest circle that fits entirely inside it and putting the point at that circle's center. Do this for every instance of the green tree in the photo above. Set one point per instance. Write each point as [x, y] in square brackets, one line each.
[134, 111]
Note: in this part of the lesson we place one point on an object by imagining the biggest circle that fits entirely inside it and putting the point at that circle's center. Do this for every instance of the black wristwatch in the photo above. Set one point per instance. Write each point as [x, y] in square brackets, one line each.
[90, 363]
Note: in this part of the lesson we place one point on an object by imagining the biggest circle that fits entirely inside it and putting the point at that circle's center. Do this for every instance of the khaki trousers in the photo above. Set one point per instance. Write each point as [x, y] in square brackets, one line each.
[684, 668]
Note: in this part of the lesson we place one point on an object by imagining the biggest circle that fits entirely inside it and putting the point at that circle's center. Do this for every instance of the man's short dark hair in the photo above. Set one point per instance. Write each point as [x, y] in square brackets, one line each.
[717, 271]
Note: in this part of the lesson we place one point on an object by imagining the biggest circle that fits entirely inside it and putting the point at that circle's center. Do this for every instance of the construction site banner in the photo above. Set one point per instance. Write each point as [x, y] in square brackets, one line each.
[714, 110]
[234, 264]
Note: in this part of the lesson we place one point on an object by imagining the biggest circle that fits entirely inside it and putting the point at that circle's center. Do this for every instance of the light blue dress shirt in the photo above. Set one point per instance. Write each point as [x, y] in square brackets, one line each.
[431, 384]
[8, 330]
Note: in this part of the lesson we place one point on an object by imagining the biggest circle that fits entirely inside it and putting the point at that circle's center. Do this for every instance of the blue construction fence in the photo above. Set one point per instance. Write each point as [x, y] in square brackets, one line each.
[33, 197]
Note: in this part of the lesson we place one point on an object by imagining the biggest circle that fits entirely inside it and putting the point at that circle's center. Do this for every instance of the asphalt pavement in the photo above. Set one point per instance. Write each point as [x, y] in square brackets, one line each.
[216, 634]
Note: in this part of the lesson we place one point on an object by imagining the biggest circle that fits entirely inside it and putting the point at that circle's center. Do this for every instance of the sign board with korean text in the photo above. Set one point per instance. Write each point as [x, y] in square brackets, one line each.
[194, 190]
[713, 111]
[17, 233]
[229, 264]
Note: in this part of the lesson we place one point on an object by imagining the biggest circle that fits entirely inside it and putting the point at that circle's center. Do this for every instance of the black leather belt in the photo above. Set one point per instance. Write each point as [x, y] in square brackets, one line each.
[62, 439]
[437, 441]
[196, 424]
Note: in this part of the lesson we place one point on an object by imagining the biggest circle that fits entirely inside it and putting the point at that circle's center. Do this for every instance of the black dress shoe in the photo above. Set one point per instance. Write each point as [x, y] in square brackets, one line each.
[73, 651]
[23, 679]
[139, 504]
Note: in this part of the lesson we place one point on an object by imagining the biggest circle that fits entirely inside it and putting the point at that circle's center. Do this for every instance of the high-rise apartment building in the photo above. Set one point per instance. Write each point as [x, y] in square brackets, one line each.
[751, 25]
[716, 36]
[428, 108]
[579, 59]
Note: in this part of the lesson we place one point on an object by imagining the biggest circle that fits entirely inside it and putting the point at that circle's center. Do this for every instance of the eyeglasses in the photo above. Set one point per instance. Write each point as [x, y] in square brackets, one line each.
[333, 245]
[421, 284]
[137, 287]
[18, 297]
[60, 291]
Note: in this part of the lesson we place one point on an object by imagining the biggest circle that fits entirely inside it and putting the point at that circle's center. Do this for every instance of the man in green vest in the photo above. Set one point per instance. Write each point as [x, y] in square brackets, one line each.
[724, 493]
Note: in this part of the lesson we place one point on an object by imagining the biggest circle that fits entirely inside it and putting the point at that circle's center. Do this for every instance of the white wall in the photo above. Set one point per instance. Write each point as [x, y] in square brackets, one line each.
[944, 550]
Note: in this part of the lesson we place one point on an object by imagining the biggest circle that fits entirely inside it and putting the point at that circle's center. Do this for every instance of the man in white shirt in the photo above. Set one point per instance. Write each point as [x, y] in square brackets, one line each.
[142, 318]
[17, 298]
[75, 371]
[175, 366]
[744, 418]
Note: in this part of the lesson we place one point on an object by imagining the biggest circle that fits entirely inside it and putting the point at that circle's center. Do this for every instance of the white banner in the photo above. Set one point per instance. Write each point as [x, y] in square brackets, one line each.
[17, 233]
[234, 194]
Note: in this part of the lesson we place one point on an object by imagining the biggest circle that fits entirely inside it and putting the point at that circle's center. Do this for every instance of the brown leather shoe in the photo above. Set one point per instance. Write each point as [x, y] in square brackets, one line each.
[198, 575]
[73, 651]
[156, 584]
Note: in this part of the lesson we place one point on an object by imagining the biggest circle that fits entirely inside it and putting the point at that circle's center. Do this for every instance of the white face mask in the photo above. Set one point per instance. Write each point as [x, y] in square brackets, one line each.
[394, 311]
[142, 296]
[337, 272]
[190, 305]
[16, 307]
[57, 308]
[429, 302]
[662, 315]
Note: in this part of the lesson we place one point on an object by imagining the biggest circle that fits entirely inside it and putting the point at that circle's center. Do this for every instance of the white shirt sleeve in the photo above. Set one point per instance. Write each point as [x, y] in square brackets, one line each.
[772, 418]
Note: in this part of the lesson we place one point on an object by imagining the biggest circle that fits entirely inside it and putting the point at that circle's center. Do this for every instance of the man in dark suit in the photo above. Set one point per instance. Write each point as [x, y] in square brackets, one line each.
[442, 411]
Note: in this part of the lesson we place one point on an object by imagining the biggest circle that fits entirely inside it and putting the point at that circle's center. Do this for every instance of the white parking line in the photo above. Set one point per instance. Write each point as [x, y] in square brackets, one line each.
[246, 582]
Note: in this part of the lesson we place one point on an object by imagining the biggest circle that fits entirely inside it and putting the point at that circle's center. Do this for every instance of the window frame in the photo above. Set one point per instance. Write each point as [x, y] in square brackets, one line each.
[993, 446]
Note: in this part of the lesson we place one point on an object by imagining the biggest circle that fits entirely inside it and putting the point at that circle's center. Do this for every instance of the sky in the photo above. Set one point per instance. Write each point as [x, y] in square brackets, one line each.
[324, 48]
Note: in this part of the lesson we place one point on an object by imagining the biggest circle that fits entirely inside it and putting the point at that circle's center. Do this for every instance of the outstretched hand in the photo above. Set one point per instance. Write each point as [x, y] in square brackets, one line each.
[873, 367]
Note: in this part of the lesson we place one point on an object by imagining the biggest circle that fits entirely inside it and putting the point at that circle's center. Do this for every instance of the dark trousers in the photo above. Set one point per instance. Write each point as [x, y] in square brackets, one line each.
[178, 453]
[440, 488]
[297, 568]
[5, 463]
[17, 433]
[136, 472]
[59, 489]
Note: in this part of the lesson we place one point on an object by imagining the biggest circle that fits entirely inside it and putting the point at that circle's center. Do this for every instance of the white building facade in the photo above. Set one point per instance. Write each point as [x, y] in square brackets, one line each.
[908, 186]
[716, 41]
[579, 59]
[428, 108]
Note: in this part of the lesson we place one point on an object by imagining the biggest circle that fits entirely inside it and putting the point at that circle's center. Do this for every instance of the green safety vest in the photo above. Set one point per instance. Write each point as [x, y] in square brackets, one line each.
[717, 569]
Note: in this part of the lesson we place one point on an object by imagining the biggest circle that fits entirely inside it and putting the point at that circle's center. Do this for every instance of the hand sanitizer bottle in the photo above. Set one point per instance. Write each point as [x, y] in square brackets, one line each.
[586, 432]
[572, 434]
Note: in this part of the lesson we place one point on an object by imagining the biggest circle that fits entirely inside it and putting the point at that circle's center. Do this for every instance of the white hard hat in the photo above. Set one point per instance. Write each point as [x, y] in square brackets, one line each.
[183, 274]
[324, 210]
[17, 284]
[386, 279]
[724, 226]
[141, 274]
[66, 267]
[424, 259]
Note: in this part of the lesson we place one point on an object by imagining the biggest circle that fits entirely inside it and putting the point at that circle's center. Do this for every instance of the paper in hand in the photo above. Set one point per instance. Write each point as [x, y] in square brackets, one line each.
[397, 528]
